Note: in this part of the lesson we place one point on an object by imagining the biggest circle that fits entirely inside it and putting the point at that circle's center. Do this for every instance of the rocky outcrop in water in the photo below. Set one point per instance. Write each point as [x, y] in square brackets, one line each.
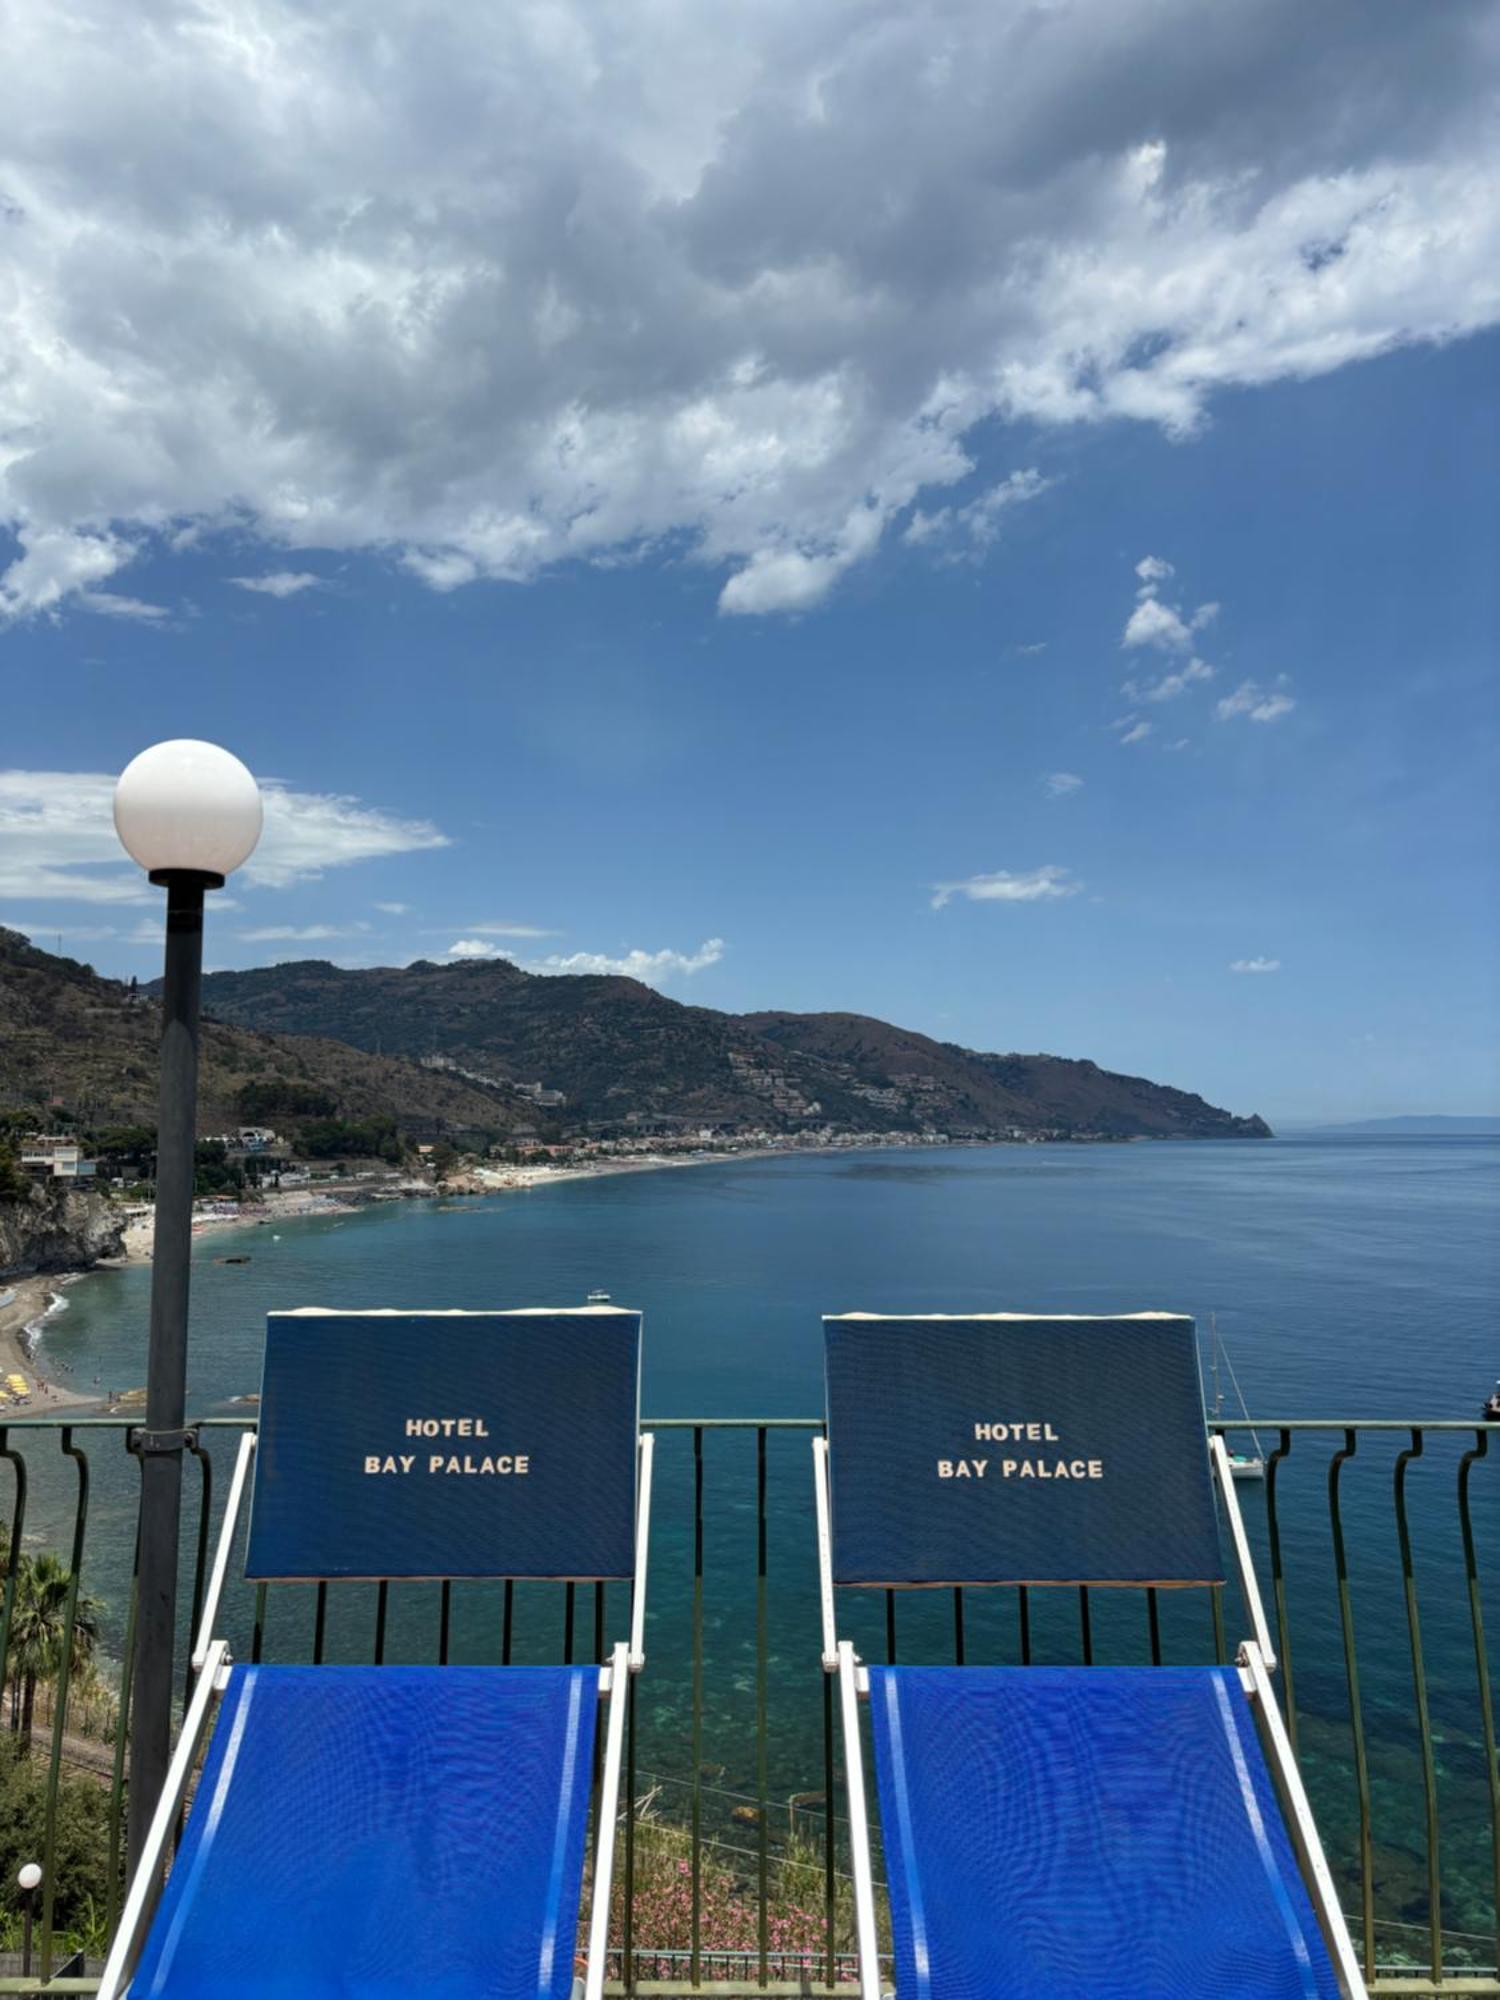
[46, 1231]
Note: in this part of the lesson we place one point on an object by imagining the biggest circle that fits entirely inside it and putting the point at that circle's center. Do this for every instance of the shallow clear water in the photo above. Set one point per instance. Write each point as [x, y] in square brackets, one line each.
[1350, 1278]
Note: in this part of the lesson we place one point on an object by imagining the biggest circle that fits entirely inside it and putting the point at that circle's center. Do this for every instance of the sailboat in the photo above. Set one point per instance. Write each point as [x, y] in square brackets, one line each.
[1242, 1464]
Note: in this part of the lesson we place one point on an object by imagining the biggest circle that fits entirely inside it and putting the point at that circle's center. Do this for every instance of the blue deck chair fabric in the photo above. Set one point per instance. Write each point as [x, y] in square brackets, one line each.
[381, 1832]
[1101, 1834]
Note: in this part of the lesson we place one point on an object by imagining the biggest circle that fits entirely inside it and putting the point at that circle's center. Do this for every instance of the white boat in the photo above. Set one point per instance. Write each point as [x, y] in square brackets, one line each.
[598, 1298]
[1242, 1464]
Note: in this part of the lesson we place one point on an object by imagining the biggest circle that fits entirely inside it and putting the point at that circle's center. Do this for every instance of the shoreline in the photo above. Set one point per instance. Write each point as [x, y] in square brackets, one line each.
[38, 1298]
[29, 1303]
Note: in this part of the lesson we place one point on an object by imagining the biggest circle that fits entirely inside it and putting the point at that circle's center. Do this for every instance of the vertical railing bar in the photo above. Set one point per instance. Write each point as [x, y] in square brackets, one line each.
[1023, 1615]
[570, 1607]
[890, 1628]
[1085, 1626]
[122, 1738]
[696, 1941]
[958, 1627]
[830, 1878]
[382, 1608]
[258, 1630]
[1153, 1623]
[762, 1659]
[13, 1564]
[200, 1559]
[200, 1573]
[507, 1620]
[598, 1624]
[1424, 1722]
[1481, 1661]
[445, 1620]
[830, 1855]
[320, 1622]
[1216, 1612]
[60, 1709]
[1278, 1589]
[1356, 1713]
[627, 1942]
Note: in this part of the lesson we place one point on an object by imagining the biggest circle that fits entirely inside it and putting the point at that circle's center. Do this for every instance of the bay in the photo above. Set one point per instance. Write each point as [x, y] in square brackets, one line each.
[1350, 1278]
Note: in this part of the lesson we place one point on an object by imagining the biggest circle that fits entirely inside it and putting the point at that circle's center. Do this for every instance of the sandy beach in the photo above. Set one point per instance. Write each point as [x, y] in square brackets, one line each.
[28, 1300]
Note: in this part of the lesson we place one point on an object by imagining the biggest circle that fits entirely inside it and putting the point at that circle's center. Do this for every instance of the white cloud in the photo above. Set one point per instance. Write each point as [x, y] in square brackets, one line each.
[308, 832]
[1136, 731]
[1163, 626]
[53, 563]
[111, 604]
[974, 527]
[394, 909]
[1060, 784]
[1040, 885]
[1255, 965]
[509, 930]
[1153, 570]
[653, 968]
[300, 933]
[1171, 684]
[474, 948]
[1257, 703]
[58, 842]
[279, 582]
[493, 290]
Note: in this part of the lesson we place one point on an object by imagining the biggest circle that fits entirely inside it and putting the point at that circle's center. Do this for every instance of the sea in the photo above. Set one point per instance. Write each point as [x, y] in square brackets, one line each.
[1348, 1278]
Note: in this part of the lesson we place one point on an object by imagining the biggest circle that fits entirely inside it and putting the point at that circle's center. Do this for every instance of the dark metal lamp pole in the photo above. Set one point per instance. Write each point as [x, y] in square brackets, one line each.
[160, 1440]
[189, 813]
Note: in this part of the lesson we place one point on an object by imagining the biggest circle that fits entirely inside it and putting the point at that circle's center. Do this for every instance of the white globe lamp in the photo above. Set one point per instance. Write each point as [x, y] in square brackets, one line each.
[29, 1877]
[188, 808]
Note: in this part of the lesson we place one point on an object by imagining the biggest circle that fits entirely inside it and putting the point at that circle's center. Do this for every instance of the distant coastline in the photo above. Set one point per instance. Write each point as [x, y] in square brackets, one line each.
[1416, 1125]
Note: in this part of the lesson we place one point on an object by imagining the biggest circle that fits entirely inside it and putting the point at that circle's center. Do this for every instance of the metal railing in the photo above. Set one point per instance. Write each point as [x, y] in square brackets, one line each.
[1372, 1536]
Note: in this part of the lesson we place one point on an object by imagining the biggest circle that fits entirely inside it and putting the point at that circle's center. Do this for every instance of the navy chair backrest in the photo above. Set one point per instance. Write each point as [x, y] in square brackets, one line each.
[498, 1444]
[1005, 1448]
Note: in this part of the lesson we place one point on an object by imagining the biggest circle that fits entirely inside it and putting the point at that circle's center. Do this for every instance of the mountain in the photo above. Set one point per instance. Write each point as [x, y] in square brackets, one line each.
[71, 1039]
[624, 1057]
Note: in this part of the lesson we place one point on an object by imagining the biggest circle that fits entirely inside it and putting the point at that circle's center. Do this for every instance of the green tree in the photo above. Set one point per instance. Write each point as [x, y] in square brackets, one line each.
[80, 1853]
[13, 1181]
[38, 1629]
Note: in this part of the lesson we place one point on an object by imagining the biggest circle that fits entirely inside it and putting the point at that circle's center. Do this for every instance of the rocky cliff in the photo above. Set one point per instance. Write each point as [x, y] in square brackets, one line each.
[46, 1231]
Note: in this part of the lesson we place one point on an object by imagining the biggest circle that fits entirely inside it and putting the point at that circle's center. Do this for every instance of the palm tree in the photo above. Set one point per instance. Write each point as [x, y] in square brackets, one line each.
[37, 1631]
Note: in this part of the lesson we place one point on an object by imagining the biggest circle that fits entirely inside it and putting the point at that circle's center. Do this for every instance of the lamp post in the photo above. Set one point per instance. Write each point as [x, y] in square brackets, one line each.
[189, 813]
[28, 1880]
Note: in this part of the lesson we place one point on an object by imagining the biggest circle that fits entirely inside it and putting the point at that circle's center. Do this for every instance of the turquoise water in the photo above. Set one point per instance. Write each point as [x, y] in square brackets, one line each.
[1350, 1278]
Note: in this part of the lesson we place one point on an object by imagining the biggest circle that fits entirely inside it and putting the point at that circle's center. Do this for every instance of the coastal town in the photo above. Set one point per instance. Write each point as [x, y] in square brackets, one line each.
[254, 1176]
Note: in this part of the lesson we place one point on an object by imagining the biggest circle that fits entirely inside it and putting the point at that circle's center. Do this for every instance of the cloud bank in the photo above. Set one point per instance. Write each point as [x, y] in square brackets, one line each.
[490, 290]
[58, 841]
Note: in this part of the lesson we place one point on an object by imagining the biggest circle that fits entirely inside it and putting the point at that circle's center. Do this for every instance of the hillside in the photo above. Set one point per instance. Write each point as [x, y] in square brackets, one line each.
[626, 1057]
[71, 1039]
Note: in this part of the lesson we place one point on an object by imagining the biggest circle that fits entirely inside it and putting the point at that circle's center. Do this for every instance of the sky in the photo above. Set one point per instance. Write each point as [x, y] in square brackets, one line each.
[982, 515]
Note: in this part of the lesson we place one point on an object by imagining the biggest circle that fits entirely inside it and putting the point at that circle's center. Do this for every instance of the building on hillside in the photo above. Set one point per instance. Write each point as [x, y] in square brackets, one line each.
[50, 1158]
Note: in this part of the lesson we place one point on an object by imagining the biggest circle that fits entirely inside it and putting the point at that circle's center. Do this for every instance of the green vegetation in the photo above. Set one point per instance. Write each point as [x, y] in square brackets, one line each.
[264, 1102]
[38, 1629]
[80, 1854]
[342, 1138]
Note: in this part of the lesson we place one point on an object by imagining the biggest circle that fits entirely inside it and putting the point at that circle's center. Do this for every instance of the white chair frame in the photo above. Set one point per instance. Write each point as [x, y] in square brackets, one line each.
[211, 1660]
[1255, 1661]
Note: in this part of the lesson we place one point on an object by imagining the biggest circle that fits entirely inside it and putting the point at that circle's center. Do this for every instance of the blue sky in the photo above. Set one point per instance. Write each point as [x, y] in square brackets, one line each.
[1148, 715]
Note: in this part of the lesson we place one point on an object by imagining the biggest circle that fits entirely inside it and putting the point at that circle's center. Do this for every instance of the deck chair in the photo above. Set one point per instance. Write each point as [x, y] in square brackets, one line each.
[1078, 1833]
[396, 1830]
